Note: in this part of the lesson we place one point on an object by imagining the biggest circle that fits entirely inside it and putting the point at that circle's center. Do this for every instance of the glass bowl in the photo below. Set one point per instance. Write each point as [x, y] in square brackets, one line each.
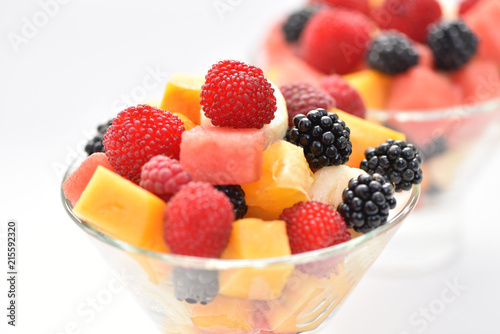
[288, 294]
[454, 143]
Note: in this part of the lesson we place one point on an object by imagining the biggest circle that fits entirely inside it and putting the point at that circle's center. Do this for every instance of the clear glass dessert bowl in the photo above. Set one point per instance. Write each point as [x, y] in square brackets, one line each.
[454, 143]
[288, 294]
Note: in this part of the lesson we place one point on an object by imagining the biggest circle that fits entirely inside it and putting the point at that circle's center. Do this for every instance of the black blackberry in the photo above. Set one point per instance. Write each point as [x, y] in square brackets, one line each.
[237, 196]
[392, 53]
[95, 144]
[366, 202]
[293, 26]
[324, 137]
[453, 44]
[195, 285]
[397, 161]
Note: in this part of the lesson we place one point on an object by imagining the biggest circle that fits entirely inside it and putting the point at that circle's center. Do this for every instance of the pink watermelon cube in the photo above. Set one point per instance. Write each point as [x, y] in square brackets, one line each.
[484, 20]
[479, 81]
[422, 88]
[223, 155]
[77, 181]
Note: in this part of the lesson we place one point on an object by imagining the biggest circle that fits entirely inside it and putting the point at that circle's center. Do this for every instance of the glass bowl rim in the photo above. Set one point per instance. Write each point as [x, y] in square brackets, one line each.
[224, 264]
[422, 115]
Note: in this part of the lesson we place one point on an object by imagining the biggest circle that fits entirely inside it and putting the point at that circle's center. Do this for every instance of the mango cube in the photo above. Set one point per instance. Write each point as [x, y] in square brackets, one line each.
[253, 238]
[224, 315]
[182, 95]
[123, 210]
[372, 86]
[304, 303]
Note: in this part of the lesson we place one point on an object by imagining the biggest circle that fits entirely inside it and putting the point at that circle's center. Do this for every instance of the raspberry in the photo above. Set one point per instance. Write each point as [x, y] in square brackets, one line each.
[138, 134]
[396, 161]
[453, 44]
[313, 225]
[335, 40]
[392, 53]
[346, 97]
[163, 176]
[237, 95]
[195, 285]
[95, 144]
[466, 5]
[294, 24]
[359, 5]
[366, 202]
[198, 221]
[411, 17]
[303, 97]
[323, 136]
[237, 197]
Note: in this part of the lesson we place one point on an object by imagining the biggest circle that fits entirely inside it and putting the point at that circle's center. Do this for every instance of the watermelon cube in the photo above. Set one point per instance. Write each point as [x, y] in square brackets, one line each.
[422, 88]
[484, 20]
[479, 81]
[223, 155]
[77, 181]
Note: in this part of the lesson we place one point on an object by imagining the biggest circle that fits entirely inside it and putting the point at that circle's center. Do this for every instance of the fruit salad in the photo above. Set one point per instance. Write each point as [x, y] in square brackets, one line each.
[218, 171]
[429, 71]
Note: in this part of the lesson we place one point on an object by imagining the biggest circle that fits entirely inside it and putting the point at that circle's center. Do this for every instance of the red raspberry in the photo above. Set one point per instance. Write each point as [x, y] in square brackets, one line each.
[335, 40]
[346, 97]
[138, 134]
[411, 17]
[237, 95]
[313, 225]
[198, 221]
[163, 176]
[360, 5]
[466, 5]
[303, 97]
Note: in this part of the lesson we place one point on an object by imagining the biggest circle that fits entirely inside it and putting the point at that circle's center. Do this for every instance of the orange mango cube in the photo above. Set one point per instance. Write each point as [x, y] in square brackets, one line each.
[182, 95]
[256, 239]
[365, 134]
[123, 210]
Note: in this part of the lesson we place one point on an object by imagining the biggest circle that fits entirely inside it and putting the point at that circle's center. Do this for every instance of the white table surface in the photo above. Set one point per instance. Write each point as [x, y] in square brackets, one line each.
[74, 71]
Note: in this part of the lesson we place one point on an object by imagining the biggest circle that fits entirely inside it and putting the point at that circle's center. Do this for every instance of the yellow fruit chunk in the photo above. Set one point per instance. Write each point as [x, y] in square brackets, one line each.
[330, 182]
[305, 302]
[365, 134]
[373, 87]
[156, 270]
[224, 315]
[256, 239]
[182, 95]
[122, 210]
[286, 180]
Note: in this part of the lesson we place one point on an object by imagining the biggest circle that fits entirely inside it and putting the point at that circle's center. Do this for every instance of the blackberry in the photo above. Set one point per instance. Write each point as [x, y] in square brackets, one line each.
[195, 285]
[397, 161]
[392, 53]
[324, 137]
[95, 144]
[237, 196]
[366, 202]
[453, 44]
[295, 23]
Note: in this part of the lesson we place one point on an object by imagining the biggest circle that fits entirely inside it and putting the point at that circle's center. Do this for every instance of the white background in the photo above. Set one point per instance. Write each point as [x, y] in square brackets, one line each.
[74, 71]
